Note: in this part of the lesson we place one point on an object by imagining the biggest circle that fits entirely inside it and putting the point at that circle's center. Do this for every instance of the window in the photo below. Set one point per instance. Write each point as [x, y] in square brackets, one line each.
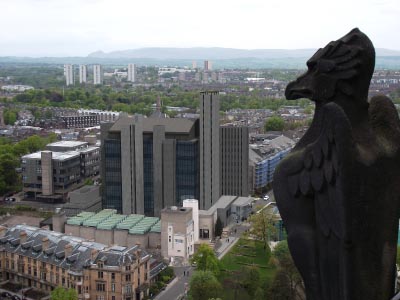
[128, 289]
[100, 274]
[113, 287]
[128, 268]
[113, 276]
[101, 297]
[100, 287]
[128, 277]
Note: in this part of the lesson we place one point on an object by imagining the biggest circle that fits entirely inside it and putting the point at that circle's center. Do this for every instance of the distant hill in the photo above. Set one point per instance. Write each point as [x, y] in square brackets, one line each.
[215, 53]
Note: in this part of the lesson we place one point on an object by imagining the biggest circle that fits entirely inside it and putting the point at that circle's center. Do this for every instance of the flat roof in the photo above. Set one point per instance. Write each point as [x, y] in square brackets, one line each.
[172, 125]
[88, 149]
[68, 144]
[240, 201]
[56, 155]
[223, 202]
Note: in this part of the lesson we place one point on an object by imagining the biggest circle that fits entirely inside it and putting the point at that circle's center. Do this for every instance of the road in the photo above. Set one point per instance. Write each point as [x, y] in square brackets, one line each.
[177, 287]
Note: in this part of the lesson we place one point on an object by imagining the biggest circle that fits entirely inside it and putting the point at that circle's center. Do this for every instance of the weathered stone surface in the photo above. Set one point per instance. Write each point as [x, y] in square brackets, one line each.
[338, 192]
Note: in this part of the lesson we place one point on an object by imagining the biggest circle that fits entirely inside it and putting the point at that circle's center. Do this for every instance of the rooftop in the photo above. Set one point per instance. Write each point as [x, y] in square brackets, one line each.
[68, 144]
[108, 219]
[172, 125]
[56, 155]
[49, 246]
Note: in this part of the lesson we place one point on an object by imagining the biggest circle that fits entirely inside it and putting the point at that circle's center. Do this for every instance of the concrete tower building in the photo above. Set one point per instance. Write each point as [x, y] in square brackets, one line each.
[69, 74]
[234, 161]
[209, 149]
[82, 74]
[149, 163]
[207, 65]
[132, 72]
[97, 74]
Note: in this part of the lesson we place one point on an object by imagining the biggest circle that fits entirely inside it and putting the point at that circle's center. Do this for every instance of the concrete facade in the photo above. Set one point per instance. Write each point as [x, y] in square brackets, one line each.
[47, 173]
[177, 232]
[97, 74]
[69, 74]
[234, 161]
[131, 72]
[50, 175]
[82, 74]
[140, 161]
[209, 149]
[86, 198]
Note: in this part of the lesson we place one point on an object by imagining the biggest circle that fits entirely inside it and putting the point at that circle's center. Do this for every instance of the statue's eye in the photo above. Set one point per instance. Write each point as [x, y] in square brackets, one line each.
[325, 66]
[311, 65]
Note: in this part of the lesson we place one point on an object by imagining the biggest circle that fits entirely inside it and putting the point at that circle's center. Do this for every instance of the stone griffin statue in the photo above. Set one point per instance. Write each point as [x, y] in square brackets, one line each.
[338, 191]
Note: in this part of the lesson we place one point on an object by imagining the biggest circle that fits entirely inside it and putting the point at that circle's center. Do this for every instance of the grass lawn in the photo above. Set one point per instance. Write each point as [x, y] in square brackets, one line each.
[246, 252]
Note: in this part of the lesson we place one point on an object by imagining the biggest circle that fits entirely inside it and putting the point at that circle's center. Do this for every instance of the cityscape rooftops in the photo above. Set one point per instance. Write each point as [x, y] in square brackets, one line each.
[69, 252]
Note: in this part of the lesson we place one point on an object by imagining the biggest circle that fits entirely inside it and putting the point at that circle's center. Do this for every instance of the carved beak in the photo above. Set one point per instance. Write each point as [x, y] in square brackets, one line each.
[297, 89]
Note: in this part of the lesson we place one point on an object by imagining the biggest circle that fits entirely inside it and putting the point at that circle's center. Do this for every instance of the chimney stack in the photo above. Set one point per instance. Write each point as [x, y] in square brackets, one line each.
[45, 243]
[3, 231]
[68, 250]
[23, 236]
[93, 254]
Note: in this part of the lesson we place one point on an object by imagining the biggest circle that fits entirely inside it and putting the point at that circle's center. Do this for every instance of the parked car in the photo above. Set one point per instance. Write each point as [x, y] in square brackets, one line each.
[266, 197]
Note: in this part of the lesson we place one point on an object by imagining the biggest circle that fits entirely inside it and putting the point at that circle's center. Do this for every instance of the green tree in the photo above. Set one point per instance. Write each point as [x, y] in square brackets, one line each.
[218, 227]
[251, 279]
[274, 123]
[10, 117]
[59, 293]
[287, 274]
[262, 226]
[204, 285]
[205, 260]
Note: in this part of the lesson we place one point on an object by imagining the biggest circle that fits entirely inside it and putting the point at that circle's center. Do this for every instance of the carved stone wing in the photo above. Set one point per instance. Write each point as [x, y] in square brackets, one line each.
[320, 176]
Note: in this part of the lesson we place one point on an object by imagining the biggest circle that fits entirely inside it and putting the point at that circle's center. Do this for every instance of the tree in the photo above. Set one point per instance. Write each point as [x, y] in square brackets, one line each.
[218, 227]
[274, 123]
[60, 293]
[251, 279]
[263, 226]
[10, 117]
[204, 285]
[206, 260]
[287, 275]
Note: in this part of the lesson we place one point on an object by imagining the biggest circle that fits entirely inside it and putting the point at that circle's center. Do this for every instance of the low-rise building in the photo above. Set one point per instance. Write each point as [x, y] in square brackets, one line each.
[43, 259]
[86, 198]
[110, 228]
[177, 232]
[263, 159]
[51, 174]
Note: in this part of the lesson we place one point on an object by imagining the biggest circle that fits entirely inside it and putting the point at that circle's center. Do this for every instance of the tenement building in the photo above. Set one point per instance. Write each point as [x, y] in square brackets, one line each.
[149, 163]
[46, 259]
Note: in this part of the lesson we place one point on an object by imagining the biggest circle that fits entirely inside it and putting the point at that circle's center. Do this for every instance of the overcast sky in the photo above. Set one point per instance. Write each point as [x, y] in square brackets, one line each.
[78, 27]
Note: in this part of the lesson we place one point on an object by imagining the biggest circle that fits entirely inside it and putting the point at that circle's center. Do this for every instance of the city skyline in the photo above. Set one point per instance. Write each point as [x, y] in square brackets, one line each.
[47, 28]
